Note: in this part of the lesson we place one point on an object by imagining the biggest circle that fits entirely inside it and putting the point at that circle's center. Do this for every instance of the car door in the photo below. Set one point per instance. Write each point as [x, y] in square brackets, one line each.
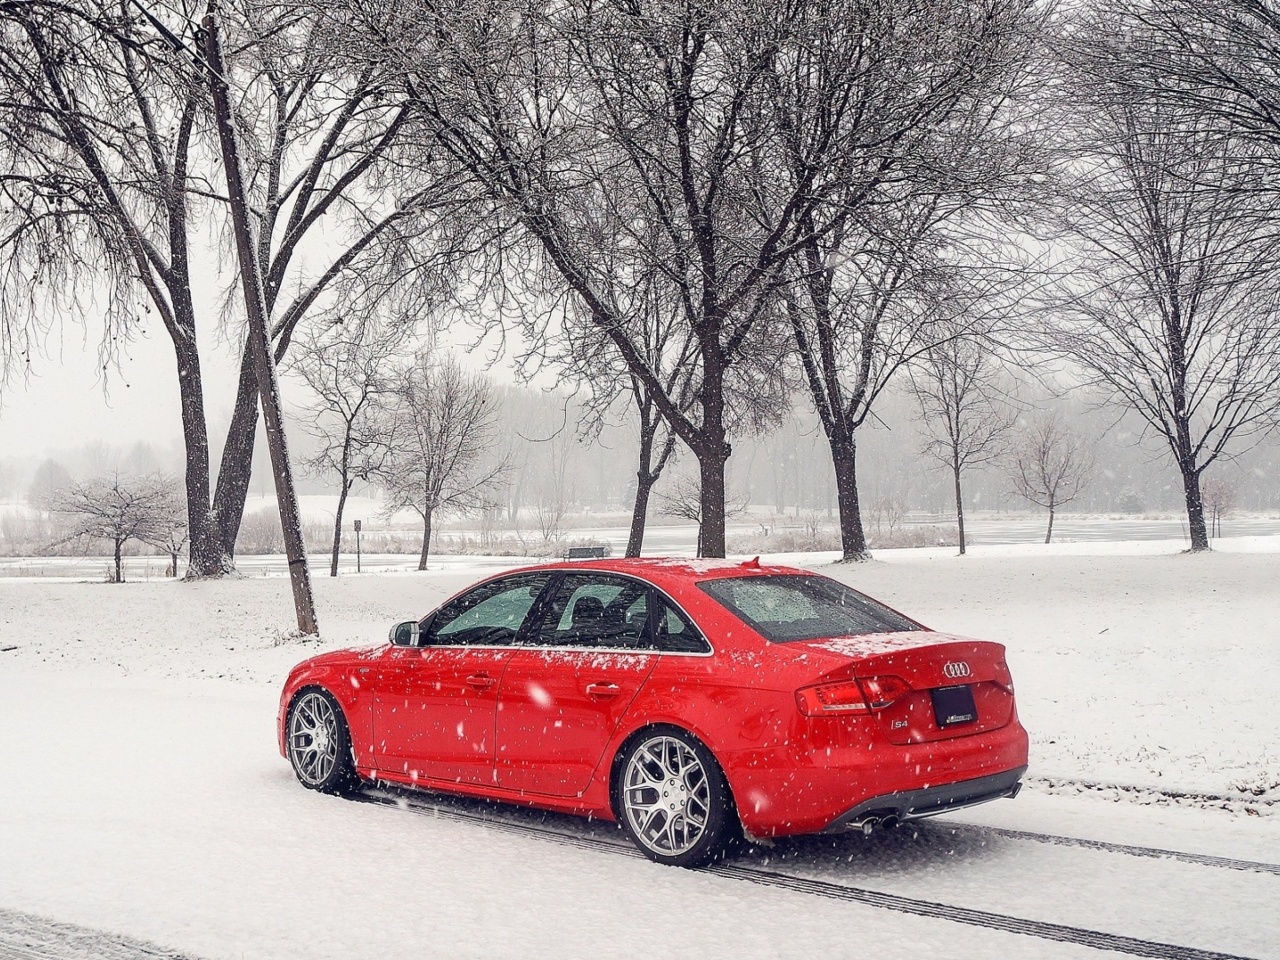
[434, 704]
[567, 686]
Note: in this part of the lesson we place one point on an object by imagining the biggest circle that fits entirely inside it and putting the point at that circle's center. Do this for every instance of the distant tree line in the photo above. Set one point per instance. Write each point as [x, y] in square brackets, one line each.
[561, 482]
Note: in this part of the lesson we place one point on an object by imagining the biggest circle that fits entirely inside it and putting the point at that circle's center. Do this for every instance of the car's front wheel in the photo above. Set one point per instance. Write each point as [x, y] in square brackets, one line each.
[320, 744]
[673, 799]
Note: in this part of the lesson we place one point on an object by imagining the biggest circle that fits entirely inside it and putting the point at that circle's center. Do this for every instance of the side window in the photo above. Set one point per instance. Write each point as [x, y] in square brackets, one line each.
[596, 610]
[676, 634]
[489, 615]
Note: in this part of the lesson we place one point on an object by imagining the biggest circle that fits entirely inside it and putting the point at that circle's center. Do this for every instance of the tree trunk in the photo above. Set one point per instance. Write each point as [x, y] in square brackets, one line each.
[236, 468]
[1195, 508]
[853, 540]
[639, 513]
[711, 532]
[644, 484]
[337, 526]
[712, 448]
[259, 334]
[119, 563]
[1184, 456]
[955, 473]
[207, 558]
[1048, 534]
[173, 558]
[426, 539]
[647, 474]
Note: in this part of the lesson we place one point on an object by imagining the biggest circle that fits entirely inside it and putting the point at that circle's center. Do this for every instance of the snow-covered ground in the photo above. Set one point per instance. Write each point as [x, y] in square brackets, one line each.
[984, 529]
[142, 792]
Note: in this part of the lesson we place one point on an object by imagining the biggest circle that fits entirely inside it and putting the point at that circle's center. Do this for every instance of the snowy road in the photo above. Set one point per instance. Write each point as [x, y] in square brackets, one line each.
[793, 865]
[32, 938]
[166, 812]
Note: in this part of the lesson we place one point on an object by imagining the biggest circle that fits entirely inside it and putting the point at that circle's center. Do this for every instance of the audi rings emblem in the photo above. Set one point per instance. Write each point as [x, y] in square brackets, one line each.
[956, 669]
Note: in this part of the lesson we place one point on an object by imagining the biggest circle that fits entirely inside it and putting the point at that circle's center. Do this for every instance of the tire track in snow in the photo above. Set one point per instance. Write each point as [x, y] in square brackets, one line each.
[1062, 933]
[1158, 795]
[1115, 943]
[27, 937]
[1156, 853]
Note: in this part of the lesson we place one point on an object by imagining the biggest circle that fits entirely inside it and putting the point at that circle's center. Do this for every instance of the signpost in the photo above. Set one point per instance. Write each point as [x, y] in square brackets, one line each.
[357, 546]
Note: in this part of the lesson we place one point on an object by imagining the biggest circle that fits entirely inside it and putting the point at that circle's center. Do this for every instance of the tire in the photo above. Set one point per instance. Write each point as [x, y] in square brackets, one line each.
[673, 800]
[320, 743]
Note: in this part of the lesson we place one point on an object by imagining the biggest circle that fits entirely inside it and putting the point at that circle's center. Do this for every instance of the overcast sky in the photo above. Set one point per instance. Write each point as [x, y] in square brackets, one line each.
[63, 404]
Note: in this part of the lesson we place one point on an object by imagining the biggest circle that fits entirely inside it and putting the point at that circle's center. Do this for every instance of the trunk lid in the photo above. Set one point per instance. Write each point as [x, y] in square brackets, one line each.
[943, 672]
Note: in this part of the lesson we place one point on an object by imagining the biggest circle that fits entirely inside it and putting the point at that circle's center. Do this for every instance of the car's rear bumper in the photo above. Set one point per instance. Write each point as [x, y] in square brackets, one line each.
[845, 768]
[929, 801]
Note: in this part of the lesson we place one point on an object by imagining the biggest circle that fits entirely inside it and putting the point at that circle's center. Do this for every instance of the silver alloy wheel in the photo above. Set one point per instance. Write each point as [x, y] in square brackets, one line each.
[313, 738]
[666, 795]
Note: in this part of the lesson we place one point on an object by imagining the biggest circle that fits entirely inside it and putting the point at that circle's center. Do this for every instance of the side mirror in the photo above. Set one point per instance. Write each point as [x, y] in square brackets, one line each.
[405, 634]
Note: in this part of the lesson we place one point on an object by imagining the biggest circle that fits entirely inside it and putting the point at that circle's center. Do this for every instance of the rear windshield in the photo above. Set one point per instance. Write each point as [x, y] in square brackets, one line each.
[790, 607]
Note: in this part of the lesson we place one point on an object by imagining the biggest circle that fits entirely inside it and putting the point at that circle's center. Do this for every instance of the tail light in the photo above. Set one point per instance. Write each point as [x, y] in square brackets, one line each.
[842, 697]
[882, 691]
[851, 696]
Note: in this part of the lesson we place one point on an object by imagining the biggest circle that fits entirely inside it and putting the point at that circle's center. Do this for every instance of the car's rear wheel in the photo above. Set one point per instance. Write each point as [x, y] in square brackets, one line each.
[320, 743]
[673, 799]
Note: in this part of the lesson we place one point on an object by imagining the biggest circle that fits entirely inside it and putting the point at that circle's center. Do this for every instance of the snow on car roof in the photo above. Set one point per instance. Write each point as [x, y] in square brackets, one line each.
[700, 567]
[864, 645]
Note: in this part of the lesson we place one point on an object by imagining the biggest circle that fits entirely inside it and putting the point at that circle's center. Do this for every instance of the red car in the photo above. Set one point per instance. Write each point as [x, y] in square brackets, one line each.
[692, 700]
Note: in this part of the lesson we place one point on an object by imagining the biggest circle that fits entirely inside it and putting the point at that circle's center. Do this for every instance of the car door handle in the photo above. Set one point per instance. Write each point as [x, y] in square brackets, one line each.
[603, 691]
[481, 681]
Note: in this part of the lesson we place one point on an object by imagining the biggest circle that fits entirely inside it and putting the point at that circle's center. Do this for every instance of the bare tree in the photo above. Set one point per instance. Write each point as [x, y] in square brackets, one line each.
[516, 413]
[550, 504]
[889, 509]
[951, 154]
[1051, 465]
[665, 119]
[171, 535]
[98, 131]
[251, 284]
[667, 346]
[1219, 500]
[653, 452]
[331, 202]
[444, 420]
[1167, 295]
[549, 460]
[1219, 58]
[683, 498]
[853, 335]
[347, 369]
[955, 383]
[119, 510]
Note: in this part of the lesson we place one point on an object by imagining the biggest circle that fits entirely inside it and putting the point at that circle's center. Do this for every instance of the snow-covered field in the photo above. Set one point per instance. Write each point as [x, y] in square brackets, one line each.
[142, 792]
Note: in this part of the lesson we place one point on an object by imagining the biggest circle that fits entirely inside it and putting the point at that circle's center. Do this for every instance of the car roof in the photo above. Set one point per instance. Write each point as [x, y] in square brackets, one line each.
[672, 568]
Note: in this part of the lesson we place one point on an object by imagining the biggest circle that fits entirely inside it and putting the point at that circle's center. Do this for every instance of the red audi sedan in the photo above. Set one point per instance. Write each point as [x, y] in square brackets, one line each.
[695, 701]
